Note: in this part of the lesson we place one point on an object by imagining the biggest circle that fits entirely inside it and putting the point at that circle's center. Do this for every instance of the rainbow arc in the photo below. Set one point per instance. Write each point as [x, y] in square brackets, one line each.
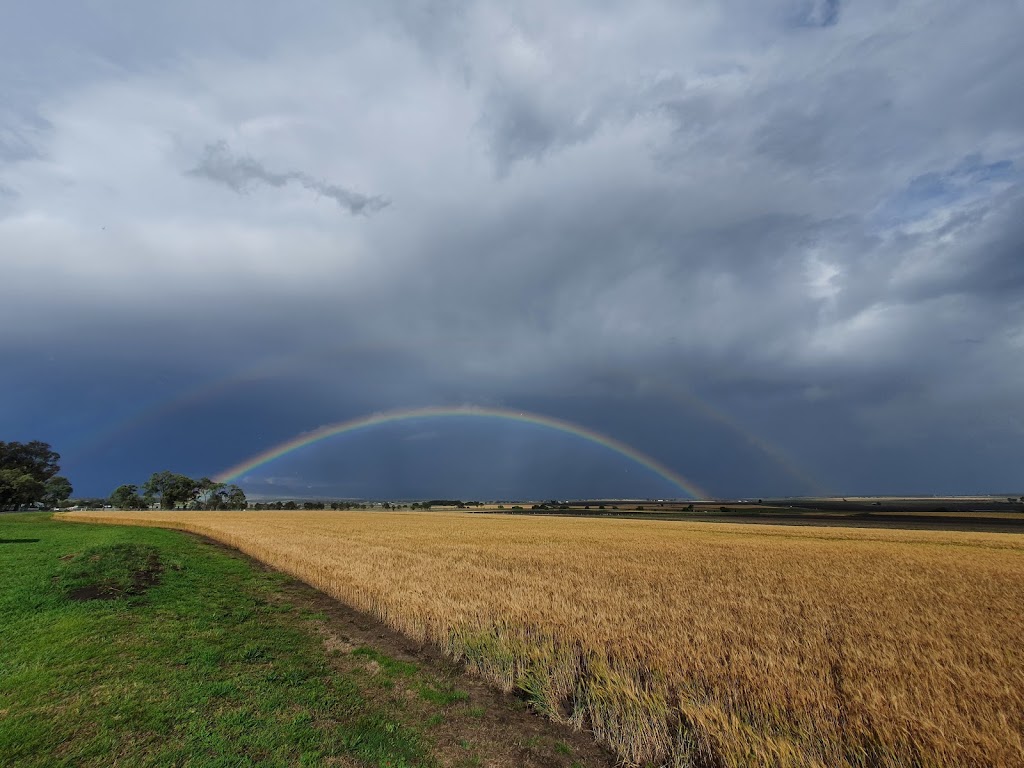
[239, 471]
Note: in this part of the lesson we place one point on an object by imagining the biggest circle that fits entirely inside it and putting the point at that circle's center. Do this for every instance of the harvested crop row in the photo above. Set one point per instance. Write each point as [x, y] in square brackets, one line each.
[690, 643]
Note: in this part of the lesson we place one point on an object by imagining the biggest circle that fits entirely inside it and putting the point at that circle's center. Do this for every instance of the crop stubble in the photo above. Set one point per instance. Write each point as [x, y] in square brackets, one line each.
[691, 643]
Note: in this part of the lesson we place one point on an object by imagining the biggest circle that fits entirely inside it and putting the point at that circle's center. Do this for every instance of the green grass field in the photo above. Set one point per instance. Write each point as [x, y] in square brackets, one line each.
[201, 668]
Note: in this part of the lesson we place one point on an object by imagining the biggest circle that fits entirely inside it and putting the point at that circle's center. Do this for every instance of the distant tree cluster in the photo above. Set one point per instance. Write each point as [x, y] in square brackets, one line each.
[314, 505]
[170, 490]
[84, 502]
[457, 503]
[28, 476]
[127, 497]
[275, 505]
[346, 505]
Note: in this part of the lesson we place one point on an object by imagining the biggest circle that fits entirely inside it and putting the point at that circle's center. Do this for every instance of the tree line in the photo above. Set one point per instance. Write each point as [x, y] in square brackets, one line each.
[171, 490]
[29, 477]
[312, 505]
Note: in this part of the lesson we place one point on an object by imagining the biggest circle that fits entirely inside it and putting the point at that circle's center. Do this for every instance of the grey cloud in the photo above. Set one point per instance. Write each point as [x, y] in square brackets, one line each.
[21, 134]
[242, 173]
[436, 25]
[818, 13]
[795, 138]
[971, 179]
[522, 125]
[8, 199]
[519, 128]
[980, 253]
[794, 227]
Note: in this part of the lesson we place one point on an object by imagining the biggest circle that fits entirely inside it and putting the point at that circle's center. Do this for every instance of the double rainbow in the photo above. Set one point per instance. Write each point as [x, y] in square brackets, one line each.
[523, 417]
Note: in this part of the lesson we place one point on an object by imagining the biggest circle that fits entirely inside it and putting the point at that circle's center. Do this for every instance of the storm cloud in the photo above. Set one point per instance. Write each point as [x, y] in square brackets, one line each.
[776, 246]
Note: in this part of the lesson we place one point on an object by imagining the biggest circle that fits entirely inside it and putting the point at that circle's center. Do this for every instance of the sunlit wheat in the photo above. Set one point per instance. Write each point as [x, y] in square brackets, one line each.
[689, 643]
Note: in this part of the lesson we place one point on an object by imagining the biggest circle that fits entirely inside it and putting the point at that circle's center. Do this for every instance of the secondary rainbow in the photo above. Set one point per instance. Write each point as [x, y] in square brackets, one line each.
[523, 417]
[268, 370]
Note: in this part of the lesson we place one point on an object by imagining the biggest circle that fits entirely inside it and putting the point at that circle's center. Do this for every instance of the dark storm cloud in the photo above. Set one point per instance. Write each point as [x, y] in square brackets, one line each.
[776, 245]
[242, 173]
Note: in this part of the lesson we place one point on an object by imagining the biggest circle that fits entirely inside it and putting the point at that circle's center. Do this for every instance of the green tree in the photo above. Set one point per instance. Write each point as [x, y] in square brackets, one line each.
[171, 489]
[127, 497]
[18, 487]
[26, 472]
[36, 458]
[234, 497]
[210, 493]
[56, 490]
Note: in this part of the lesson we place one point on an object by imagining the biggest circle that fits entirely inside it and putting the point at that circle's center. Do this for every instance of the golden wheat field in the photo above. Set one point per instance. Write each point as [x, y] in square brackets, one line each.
[691, 643]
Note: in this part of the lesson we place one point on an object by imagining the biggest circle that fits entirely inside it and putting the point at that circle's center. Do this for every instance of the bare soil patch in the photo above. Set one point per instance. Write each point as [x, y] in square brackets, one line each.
[109, 573]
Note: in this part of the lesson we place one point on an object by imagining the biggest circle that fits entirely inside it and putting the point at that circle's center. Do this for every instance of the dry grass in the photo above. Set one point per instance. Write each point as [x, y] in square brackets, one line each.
[690, 643]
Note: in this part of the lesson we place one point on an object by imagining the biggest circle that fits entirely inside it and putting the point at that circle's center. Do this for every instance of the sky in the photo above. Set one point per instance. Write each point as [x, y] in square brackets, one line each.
[774, 246]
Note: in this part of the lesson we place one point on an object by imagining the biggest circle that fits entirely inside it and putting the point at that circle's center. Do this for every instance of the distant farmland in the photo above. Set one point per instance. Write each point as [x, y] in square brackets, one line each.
[691, 643]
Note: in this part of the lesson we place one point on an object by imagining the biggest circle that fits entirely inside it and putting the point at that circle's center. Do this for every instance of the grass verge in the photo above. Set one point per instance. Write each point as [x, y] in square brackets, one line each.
[143, 647]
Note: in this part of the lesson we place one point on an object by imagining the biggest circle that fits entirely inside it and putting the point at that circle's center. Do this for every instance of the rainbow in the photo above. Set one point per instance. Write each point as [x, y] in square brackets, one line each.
[270, 369]
[388, 417]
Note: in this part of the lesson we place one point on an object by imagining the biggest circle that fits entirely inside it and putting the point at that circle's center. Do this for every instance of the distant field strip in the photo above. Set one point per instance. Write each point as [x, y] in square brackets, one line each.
[691, 643]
